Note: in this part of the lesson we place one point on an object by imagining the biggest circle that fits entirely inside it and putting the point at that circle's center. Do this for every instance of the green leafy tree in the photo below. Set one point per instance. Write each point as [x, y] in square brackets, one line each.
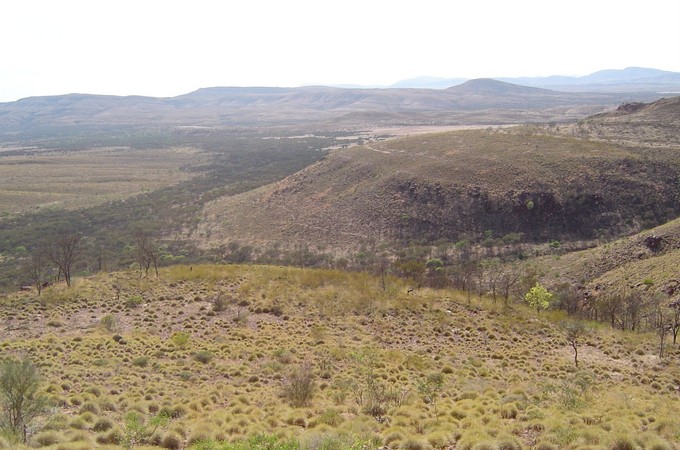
[20, 394]
[538, 297]
[431, 389]
[139, 428]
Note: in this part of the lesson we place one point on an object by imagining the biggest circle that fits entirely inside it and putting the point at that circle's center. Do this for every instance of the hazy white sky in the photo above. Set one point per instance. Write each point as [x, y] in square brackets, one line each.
[167, 47]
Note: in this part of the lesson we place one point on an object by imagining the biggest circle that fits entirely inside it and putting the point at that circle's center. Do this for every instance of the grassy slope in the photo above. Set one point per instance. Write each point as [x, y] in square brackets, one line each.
[620, 264]
[508, 377]
[456, 184]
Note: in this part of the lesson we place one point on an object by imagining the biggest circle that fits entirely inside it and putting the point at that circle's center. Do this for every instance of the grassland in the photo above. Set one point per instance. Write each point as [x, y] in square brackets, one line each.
[214, 347]
[73, 180]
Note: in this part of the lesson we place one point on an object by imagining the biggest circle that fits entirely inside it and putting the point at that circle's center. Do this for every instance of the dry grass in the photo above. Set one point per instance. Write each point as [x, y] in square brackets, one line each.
[508, 378]
[86, 178]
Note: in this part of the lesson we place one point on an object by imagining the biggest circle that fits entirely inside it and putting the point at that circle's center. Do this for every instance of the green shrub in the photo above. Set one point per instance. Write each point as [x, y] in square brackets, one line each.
[171, 441]
[142, 361]
[204, 356]
[134, 301]
[103, 424]
[180, 339]
[109, 323]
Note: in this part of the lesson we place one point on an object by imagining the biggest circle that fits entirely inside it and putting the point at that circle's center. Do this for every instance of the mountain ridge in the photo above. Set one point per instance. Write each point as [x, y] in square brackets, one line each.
[317, 105]
[459, 184]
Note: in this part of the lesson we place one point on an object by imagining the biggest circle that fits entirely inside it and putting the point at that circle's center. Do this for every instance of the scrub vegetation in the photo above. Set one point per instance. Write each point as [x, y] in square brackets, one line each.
[310, 358]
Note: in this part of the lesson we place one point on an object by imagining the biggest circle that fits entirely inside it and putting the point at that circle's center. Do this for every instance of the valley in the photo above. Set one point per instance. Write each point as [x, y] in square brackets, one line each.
[328, 268]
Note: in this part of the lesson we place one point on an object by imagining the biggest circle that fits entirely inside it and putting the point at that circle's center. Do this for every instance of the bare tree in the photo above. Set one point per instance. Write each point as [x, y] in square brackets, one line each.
[493, 277]
[63, 252]
[663, 324]
[508, 280]
[675, 319]
[382, 267]
[148, 253]
[37, 270]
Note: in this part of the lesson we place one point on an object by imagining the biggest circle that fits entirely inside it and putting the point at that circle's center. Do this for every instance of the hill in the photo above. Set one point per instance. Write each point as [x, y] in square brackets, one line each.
[645, 263]
[652, 125]
[313, 106]
[325, 359]
[457, 185]
[630, 79]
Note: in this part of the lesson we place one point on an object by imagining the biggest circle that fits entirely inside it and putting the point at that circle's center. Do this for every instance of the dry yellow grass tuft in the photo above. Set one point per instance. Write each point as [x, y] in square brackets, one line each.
[421, 369]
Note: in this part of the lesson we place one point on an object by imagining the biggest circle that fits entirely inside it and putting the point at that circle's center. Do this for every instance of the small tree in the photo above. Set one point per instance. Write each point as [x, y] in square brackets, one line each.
[63, 252]
[538, 297]
[574, 332]
[509, 277]
[37, 270]
[675, 322]
[431, 389]
[19, 392]
[299, 386]
[147, 252]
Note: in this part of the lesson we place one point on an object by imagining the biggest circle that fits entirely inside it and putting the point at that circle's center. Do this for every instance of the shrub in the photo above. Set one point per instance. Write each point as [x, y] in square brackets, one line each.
[142, 361]
[299, 386]
[171, 441]
[19, 394]
[103, 424]
[46, 438]
[134, 301]
[331, 417]
[622, 443]
[89, 407]
[204, 356]
[180, 339]
[109, 323]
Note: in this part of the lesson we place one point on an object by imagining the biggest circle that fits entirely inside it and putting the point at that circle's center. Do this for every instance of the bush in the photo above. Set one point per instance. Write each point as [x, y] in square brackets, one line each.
[171, 441]
[103, 424]
[180, 339]
[299, 386]
[46, 438]
[134, 301]
[109, 323]
[142, 361]
[203, 356]
[623, 443]
[20, 396]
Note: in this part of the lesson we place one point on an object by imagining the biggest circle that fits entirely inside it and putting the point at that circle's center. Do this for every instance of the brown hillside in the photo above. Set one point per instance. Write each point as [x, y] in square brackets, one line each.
[651, 125]
[454, 185]
[623, 264]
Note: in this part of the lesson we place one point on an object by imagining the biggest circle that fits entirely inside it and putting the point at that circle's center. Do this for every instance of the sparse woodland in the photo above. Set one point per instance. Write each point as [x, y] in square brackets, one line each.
[299, 288]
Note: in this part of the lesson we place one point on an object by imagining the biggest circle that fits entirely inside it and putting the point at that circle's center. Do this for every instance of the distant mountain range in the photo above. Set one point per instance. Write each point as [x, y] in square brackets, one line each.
[629, 79]
[479, 101]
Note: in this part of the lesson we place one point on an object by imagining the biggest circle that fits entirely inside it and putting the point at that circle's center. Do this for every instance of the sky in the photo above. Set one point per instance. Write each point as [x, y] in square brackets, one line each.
[167, 47]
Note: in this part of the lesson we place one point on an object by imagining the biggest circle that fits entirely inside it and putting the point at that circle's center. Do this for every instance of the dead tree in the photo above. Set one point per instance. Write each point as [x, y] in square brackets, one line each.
[37, 270]
[63, 252]
[148, 253]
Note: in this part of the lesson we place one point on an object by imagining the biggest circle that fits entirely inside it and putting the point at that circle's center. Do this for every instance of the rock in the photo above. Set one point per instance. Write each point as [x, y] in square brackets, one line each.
[653, 242]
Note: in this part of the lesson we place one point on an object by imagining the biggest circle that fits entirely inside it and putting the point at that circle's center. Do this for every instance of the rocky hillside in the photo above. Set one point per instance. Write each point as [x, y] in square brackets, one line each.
[455, 185]
[624, 264]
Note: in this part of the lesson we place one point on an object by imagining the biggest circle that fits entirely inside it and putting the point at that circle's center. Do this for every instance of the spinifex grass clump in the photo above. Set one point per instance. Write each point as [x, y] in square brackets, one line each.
[359, 367]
